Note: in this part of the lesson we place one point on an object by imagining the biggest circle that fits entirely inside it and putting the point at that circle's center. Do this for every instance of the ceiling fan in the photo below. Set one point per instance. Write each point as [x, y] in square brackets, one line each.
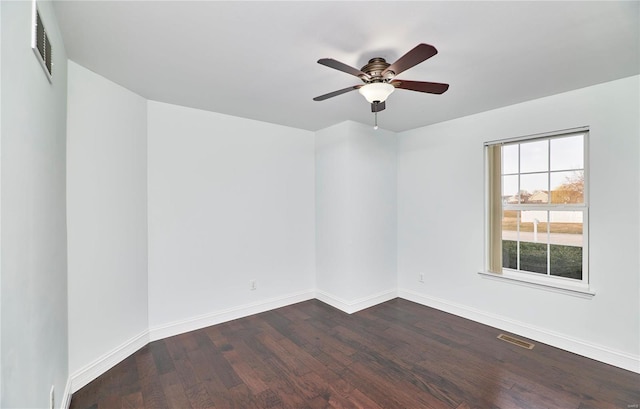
[379, 77]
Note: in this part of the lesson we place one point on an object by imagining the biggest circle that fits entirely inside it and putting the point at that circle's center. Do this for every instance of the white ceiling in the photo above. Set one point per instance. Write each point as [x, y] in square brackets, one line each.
[258, 59]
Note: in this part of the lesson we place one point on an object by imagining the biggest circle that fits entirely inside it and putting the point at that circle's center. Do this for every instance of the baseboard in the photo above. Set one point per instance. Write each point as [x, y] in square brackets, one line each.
[218, 317]
[96, 368]
[598, 352]
[107, 361]
[66, 397]
[356, 305]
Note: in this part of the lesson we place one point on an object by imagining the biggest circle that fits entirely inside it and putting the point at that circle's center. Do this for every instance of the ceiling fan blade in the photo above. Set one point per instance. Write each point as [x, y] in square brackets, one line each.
[337, 65]
[421, 86]
[378, 106]
[414, 57]
[336, 93]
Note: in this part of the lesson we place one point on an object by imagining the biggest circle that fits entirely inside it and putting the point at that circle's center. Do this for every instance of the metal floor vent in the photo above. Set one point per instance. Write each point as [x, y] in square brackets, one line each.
[516, 341]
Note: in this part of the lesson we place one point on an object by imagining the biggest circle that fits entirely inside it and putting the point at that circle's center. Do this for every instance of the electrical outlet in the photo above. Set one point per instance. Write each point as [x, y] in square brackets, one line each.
[52, 398]
[253, 285]
[421, 278]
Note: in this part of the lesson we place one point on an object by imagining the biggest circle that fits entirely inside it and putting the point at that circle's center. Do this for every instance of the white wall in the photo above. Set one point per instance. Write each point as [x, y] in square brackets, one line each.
[107, 220]
[441, 216]
[355, 215]
[34, 249]
[333, 227]
[230, 200]
[1, 383]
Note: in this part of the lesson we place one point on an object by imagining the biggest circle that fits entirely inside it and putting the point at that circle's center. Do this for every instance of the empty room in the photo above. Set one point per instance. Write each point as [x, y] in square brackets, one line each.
[319, 204]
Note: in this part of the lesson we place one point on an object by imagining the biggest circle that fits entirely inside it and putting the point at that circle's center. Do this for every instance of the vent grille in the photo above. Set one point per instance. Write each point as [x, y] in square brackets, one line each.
[516, 341]
[40, 43]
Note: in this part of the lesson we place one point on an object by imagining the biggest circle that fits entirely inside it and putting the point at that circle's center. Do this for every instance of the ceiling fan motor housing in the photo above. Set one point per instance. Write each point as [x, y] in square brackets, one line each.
[375, 69]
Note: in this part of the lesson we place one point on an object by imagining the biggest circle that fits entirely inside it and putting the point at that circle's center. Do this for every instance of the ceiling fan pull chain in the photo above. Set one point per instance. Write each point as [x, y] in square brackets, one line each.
[375, 125]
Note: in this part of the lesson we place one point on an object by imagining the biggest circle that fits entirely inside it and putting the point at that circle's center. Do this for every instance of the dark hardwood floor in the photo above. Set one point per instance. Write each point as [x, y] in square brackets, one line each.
[395, 355]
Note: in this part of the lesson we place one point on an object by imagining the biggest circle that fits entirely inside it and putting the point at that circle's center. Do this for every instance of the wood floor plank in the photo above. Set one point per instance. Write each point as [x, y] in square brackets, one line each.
[132, 401]
[186, 373]
[145, 363]
[174, 391]
[376, 391]
[153, 393]
[161, 357]
[214, 359]
[394, 355]
[246, 372]
[362, 401]
[110, 402]
[238, 397]
[199, 366]
[268, 399]
[199, 397]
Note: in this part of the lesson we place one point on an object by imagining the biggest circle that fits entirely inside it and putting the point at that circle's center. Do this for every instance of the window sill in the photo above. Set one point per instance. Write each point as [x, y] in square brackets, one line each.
[577, 290]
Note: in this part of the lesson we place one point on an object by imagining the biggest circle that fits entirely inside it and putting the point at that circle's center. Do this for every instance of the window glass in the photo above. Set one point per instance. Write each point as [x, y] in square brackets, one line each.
[534, 188]
[533, 257]
[566, 243]
[567, 153]
[509, 159]
[534, 156]
[510, 189]
[567, 187]
[510, 220]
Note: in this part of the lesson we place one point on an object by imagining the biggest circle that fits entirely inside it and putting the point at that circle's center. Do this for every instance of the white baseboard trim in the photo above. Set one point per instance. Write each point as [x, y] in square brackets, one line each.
[101, 365]
[66, 397]
[218, 317]
[356, 305]
[107, 361]
[598, 352]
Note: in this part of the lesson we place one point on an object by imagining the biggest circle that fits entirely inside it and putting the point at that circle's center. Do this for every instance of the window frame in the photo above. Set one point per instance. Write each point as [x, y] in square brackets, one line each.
[546, 281]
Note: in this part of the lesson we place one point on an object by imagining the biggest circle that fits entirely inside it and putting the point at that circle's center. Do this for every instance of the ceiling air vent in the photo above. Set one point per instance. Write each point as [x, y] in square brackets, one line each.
[40, 43]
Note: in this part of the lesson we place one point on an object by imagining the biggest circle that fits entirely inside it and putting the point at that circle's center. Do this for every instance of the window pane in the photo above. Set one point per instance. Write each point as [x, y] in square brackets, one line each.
[510, 189]
[509, 159]
[566, 226]
[533, 241]
[533, 226]
[510, 254]
[510, 224]
[534, 156]
[566, 243]
[533, 257]
[567, 153]
[510, 238]
[534, 188]
[566, 261]
[567, 187]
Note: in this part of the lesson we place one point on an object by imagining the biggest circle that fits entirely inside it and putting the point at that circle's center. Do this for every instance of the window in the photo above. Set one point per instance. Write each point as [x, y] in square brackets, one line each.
[538, 209]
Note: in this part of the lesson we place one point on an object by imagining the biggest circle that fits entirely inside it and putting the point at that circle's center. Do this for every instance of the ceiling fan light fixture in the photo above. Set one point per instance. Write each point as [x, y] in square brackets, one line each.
[376, 91]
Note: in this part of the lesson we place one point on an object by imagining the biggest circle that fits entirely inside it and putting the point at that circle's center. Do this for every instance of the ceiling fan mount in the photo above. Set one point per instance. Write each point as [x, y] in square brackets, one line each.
[379, 77]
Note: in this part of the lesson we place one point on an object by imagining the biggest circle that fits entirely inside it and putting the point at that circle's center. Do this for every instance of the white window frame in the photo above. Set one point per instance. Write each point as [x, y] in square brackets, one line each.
[545, 281]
